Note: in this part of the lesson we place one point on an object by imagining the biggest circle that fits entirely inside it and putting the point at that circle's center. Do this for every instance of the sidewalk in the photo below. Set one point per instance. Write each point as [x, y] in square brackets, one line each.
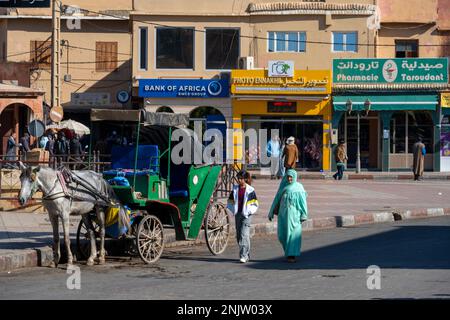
[352, 175]
[26, 238]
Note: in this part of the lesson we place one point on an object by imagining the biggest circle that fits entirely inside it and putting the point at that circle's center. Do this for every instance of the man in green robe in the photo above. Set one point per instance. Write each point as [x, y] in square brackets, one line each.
[291, 207]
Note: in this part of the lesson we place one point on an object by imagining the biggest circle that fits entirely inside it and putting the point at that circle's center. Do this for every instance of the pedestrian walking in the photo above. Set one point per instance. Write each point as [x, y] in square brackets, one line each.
[419, 152]
[243, 204]
[340, 155]
[273, 152]
[291, 207]
[290, 154]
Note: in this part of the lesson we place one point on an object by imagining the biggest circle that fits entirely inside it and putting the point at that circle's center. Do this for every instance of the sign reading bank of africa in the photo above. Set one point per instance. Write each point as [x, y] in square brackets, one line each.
[181, 88]
[382, 71]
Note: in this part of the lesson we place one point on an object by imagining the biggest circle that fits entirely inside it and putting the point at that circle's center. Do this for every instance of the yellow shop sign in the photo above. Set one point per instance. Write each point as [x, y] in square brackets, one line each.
[303, 82]
[445, 100]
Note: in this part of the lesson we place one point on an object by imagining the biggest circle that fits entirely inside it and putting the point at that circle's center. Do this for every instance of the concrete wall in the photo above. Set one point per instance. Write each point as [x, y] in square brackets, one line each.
[97, 5]
[418, 11]
[443, 15]
[208, 7]
[15, 71]
[79, 63]
[224, 14]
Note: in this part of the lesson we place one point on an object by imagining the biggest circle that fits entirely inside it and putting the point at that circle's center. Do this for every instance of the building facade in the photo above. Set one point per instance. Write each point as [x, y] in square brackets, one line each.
[95, 53]
[175, 41]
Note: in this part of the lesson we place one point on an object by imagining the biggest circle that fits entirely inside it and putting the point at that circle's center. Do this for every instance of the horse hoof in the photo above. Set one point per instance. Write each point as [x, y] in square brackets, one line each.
[101, 261]
[90, 262]
[52, 265]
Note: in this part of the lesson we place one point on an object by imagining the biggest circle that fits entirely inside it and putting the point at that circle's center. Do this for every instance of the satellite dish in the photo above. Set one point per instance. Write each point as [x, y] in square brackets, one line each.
[36, 128]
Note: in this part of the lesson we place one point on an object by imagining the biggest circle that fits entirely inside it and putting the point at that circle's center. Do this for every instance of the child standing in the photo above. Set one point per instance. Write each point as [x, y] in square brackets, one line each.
[243, 204]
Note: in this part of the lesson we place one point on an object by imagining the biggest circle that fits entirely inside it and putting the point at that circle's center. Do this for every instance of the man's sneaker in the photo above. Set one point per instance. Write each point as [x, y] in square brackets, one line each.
[243, 260]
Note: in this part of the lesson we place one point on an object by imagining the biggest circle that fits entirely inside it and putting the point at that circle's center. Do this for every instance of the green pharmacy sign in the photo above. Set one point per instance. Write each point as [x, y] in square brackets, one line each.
[382, 71]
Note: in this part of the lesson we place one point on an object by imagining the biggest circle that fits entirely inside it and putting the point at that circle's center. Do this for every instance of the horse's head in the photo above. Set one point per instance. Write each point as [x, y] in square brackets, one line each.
[28, 179]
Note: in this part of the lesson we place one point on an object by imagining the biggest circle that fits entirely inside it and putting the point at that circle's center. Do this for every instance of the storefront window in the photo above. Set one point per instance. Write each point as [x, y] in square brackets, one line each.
[307, 131]
[420, 125]
[407, 127]
[398, 133]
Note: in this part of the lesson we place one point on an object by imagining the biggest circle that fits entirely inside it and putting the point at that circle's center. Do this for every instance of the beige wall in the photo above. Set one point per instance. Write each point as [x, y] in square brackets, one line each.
[97, 5]
[84, 76]
[408, 11]
[210, 7]
[317, 56]
[424, 20]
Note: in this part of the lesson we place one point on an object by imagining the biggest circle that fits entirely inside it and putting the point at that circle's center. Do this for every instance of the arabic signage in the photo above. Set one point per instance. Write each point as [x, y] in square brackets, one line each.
[379, 71]
[281, 68]
[183, 88]
[302, 82]
[24, 3]
[445, 100]
[91, 99]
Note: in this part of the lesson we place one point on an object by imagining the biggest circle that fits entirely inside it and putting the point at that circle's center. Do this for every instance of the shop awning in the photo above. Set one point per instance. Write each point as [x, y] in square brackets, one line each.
[387, 102]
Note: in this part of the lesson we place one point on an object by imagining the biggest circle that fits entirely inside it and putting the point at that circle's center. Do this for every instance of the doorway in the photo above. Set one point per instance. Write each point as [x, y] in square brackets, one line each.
[369, 145]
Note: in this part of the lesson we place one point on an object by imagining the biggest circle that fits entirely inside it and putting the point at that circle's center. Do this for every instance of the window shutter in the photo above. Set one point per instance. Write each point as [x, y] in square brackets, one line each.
[106, 56]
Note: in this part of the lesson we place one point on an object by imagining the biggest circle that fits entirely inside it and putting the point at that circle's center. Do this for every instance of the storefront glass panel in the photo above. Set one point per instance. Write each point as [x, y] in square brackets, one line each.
[308, 132]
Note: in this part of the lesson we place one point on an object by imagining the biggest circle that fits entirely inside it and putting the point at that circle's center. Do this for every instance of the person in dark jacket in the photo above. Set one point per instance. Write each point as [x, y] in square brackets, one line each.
[24, 146]
[62, 147]
[76, 150]
[50, 147]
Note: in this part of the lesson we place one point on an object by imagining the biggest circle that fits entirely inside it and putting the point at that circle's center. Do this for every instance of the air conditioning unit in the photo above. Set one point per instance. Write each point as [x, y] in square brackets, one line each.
[246, 63]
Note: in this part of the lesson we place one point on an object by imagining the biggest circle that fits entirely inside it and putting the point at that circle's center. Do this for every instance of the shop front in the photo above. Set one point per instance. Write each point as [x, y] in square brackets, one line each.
[296, 105]
[397, 102]
[206, 100]
[445, 132]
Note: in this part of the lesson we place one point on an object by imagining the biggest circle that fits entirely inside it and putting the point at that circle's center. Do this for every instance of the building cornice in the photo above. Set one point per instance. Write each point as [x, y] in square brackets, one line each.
[310, 8]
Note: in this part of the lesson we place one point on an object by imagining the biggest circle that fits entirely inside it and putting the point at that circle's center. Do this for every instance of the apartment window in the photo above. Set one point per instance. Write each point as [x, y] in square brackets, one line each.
[345, 41]
[174, 48]
[106, 56]
[41, 53]
[282, 41]
[143, 48]
[406, 48]
[222, 48]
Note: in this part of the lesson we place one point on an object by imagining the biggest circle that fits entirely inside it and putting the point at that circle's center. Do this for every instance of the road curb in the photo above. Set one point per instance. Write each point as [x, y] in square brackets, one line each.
[44, 256]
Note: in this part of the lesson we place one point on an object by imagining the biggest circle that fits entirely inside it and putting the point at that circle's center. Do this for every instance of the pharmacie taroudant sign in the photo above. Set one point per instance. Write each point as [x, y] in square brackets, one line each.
[186, 88]
[379, 71]
[302, 82]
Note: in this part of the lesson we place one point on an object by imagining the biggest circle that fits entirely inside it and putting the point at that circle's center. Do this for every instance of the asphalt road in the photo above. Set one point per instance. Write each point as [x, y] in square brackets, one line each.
[413, 257]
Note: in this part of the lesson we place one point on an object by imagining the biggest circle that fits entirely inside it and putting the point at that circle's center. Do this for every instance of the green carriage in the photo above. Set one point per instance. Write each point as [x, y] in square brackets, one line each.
[159, 194]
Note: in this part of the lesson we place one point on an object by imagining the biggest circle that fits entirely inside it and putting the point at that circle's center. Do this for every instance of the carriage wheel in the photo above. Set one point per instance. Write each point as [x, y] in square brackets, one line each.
[150, 239]
[217, 228]
[84, 239]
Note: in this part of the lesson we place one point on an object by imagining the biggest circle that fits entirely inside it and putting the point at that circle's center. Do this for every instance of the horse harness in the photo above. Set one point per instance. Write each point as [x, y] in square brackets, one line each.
[67, 178]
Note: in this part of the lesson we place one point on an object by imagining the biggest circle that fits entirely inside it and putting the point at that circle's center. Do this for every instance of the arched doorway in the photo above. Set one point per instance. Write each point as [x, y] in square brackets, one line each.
[14, 118]
[165, 109]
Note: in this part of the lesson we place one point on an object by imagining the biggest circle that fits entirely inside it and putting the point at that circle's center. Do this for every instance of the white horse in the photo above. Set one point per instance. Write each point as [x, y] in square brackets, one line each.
[59, 204]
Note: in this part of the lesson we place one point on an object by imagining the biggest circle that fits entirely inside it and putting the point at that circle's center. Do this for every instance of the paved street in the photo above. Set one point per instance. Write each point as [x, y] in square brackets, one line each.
[413, 257]
[328, 198]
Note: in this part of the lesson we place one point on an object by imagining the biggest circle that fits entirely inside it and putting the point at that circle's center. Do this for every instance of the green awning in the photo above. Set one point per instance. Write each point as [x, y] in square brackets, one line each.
[387, 102]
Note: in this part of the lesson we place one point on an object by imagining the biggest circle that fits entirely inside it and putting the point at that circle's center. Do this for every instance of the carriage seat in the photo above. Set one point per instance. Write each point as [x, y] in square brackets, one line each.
[128, 172]
[179, 193]
[123, 157]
